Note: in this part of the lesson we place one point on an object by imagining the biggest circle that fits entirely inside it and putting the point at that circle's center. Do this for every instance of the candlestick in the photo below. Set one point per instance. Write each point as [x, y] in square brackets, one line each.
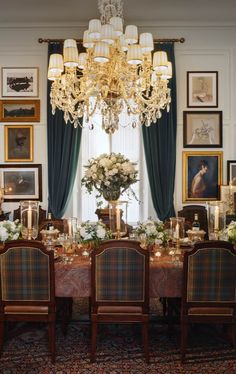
[216, 224]
[69, 227]
[29, 218]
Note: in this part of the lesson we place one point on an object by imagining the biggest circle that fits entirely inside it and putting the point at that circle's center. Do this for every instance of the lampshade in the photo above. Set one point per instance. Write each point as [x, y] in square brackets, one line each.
[95, 29]
[108, 34]
[87, 40]
[69, 43]
[168, 73]
[160, 60]
[52, 75]
[56, 63]
[146, 42]
[131, 34]
[117, 24]
[123, 43]
[101, 52]
[82, 60]
[70, 56]
[134, 55]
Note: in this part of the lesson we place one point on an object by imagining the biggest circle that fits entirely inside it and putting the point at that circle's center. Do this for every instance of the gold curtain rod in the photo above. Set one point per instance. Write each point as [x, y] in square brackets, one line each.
[180, 40]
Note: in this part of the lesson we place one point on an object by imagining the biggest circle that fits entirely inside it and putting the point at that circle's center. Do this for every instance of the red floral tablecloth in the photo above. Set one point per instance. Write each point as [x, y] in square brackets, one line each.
[73, 280]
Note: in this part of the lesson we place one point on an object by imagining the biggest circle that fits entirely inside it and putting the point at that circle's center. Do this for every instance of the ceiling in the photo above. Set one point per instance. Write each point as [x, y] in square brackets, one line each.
[149, 12]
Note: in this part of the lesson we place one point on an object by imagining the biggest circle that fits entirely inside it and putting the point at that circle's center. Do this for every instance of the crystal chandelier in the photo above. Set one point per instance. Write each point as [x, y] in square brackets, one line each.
[117, 73]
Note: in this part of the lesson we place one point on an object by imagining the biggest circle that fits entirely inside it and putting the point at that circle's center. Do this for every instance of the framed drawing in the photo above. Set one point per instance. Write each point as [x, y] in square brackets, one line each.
[19, 82]
[18, 143]
[19, 110]
[202, 175]
[21, 181]
[202, 129]
[227, 194]
[202, 89]
[231, 172]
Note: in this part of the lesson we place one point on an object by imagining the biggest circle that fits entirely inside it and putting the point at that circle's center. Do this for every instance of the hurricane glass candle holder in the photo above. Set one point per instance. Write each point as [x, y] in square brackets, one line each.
[118, 218]
[29, 219]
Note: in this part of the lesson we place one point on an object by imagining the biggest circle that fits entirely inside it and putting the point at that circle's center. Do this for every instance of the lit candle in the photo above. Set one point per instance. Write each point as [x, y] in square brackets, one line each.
[69, 227]
[230, 188]
[29, 217]
[216, 226]
[177, 230]
[118, 219]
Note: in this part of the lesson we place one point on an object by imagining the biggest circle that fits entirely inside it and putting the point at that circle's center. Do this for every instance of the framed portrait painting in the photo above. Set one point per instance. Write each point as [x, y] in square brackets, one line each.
[19, 110]
[202, 175]
[21, 181]
[202, 129]
[231, 172]
[19, 82]
[18, 143]
[202, 89]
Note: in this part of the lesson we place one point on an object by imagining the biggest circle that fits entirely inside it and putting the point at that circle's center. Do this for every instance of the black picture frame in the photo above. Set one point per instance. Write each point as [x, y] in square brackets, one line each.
[202, 89]
[202, 129]
[21, 182]
[231, 172]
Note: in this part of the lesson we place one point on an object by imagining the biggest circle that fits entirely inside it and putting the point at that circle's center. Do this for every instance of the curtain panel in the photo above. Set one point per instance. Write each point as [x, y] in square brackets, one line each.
[160, 149]
[63, 145]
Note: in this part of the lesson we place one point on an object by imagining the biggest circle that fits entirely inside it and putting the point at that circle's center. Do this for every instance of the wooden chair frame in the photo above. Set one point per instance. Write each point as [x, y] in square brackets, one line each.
[211, 316]
[121, 316]
[26, 314]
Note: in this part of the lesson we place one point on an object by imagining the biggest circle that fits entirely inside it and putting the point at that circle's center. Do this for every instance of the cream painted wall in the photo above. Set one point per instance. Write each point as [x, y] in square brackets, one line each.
[206, 48]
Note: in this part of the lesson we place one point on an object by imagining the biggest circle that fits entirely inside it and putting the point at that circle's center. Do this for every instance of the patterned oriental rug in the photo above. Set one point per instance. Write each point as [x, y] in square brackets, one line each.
[119, 350]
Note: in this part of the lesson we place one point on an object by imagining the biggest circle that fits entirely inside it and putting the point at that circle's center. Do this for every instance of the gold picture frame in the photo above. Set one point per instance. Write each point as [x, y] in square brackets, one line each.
[227, 195]
[20, 110]
[18, 143]
[202, 175]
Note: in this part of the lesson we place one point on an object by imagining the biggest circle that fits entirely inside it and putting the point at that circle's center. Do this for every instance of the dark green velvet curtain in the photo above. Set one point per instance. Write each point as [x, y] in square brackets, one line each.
[63, 152]
[160, 150]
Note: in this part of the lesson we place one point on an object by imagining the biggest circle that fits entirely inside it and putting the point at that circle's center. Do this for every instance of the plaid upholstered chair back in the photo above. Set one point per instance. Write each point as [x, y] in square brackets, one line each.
[211, 273]
[120, 273]
[27, 272]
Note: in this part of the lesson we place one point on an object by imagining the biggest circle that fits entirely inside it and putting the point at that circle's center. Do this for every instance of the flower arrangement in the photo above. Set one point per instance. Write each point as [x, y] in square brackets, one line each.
[154, 231]
[93, 232]
[230, 232]
[10, 230]
[110, 174]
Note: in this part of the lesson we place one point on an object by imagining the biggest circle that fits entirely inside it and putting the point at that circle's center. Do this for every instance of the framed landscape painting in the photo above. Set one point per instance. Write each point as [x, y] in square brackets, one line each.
[21, 181]
[202, 89]
[18, 142]
[19, 82]
[19, 110]
[202, 175]
[231, 172]
[202, 129]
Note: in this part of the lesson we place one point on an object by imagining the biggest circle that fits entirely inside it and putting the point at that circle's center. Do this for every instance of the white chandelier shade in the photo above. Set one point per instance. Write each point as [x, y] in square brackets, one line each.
[117, 70]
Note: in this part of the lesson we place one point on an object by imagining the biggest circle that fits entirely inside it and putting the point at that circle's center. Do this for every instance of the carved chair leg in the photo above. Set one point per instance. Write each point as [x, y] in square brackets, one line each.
[145, 340]
[184, 337]
[52, 340]
[1, 335]
[93, 341]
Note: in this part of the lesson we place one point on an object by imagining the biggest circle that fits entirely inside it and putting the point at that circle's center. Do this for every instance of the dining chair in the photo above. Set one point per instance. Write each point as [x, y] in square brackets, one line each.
[120, 287]
[209, 285]
[27, 286]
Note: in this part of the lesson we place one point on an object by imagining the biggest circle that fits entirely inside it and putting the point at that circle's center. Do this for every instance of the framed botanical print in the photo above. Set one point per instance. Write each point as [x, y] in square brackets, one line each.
[202, 89]
[19, 110]
[18, 143]
[19, 82]
[227, 194]
[202, 129]
[21, 181]
[202, 175]
[231, 172]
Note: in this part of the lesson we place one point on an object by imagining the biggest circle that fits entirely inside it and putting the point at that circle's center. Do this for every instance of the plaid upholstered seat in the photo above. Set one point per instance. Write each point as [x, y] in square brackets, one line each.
[120, 276]
[27, 286]
[209, 287]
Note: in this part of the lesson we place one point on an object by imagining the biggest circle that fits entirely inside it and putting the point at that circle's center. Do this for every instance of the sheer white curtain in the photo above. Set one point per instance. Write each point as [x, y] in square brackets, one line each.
[127, 141]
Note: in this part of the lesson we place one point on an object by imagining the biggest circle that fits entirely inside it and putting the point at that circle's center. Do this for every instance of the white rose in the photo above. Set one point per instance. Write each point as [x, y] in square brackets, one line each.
[101, 233]
[3, 234]
[82, 232]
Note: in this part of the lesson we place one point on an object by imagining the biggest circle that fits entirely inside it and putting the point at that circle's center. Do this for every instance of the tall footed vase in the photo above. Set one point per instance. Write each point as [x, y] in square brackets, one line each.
[109, 194]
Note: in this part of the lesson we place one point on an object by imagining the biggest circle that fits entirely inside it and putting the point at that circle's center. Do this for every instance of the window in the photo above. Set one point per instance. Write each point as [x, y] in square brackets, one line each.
[127, 141]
